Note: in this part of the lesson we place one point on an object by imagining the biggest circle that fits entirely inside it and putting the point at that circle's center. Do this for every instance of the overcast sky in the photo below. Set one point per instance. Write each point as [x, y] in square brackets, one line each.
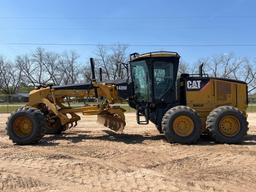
[194, 28]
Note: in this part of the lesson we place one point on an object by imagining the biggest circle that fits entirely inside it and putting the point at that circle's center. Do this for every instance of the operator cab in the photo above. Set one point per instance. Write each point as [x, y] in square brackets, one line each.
[153, 77]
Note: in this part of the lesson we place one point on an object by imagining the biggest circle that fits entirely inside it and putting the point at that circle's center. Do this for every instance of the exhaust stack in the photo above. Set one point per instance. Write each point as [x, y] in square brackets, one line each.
[201, 70]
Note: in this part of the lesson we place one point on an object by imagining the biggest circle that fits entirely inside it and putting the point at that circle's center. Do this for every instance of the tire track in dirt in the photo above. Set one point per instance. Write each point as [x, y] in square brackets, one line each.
[12, 182]
[91, 174]
[86, 172]
[67, 167]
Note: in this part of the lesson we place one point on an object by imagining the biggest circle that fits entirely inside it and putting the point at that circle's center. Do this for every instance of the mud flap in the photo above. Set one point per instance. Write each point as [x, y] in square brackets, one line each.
[112, 118]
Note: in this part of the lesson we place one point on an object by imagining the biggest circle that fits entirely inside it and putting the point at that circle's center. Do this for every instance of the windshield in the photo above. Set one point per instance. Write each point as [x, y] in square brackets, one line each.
[163, 78]
[140, 80]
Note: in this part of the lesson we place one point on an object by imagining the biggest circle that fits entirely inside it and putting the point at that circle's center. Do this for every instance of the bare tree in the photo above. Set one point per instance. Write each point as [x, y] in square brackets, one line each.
[183, 67]
[86, 72]
[102, 60]
[230, 66]
[112, 61]
[69, 68]
[222, 65]
[27, 70]
[247, 72]
[10, 77]
[42, 67]
[117, 60]
[52, 67]
[39, 63]
[33, 68]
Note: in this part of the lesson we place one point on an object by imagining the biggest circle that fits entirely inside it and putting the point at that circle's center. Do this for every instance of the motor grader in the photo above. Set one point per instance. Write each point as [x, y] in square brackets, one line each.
[182, 109]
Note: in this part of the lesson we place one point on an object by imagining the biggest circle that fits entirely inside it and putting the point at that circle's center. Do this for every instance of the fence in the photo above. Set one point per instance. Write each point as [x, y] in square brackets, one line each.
[9, 103]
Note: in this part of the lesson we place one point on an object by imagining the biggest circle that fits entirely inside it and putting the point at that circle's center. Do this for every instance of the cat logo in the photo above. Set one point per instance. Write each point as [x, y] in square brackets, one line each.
[194, 85]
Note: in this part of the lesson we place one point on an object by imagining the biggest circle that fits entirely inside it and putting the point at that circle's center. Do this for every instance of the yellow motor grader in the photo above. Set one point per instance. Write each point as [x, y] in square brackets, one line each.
[182, 109]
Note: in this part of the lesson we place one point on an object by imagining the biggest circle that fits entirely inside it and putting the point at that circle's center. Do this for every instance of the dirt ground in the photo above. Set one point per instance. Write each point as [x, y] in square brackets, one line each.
[93, 158]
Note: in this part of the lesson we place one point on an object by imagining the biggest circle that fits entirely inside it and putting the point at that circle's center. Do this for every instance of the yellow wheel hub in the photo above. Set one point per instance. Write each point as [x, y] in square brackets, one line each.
[183, 126]
[229, 126]
[22, 126]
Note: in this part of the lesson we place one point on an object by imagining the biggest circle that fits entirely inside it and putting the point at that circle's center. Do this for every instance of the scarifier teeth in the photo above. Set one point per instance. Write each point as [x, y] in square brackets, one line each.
[112, 121]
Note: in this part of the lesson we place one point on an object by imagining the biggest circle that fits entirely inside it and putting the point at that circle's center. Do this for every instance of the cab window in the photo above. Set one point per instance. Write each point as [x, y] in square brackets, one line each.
[163, 78]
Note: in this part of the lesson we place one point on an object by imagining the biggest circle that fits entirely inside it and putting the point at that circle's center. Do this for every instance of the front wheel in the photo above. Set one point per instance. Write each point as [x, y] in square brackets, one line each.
[26, 126]
[181, 124]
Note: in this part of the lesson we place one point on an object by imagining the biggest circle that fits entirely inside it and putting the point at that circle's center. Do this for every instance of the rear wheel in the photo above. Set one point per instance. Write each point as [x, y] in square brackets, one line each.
[227, 124]
[181, 124]
[26, 126]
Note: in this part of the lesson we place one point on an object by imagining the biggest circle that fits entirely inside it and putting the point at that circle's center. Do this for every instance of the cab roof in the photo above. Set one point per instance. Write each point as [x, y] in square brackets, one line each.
[137, 56]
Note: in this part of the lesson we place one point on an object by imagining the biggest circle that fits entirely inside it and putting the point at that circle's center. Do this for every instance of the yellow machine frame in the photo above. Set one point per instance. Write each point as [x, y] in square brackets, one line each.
[54, 101]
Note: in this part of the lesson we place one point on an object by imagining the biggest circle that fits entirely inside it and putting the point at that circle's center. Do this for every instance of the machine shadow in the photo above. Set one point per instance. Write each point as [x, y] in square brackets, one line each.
[249, 140]
[109, 136]
[125, 138]
[130, 138]
[52, 140]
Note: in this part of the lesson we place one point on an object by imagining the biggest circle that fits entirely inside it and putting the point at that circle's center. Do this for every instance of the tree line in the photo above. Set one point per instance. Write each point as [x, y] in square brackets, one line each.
[226, 66]
[42, 67]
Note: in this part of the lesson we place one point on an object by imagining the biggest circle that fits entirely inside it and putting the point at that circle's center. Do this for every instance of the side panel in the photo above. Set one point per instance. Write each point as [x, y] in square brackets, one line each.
[200, 94]
[242, 97]
[205, 94]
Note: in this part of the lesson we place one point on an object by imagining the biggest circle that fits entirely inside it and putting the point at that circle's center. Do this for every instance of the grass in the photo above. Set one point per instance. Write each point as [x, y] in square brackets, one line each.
[251, 108]
[8, 108]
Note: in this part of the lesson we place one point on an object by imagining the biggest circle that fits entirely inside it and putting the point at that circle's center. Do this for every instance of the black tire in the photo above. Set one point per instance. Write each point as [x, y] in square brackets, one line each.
[213, 124]
[37, 131]
[169, 130]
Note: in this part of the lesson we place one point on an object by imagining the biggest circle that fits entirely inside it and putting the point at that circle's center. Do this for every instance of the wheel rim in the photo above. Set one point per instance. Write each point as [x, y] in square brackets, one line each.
[23, 126]
[183, 126]
[229, 126]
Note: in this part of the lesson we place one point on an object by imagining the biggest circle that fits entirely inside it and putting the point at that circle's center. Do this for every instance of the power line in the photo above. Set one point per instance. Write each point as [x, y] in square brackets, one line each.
[114, 29]
[98, 27]
[131, 44]
[125, 18]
